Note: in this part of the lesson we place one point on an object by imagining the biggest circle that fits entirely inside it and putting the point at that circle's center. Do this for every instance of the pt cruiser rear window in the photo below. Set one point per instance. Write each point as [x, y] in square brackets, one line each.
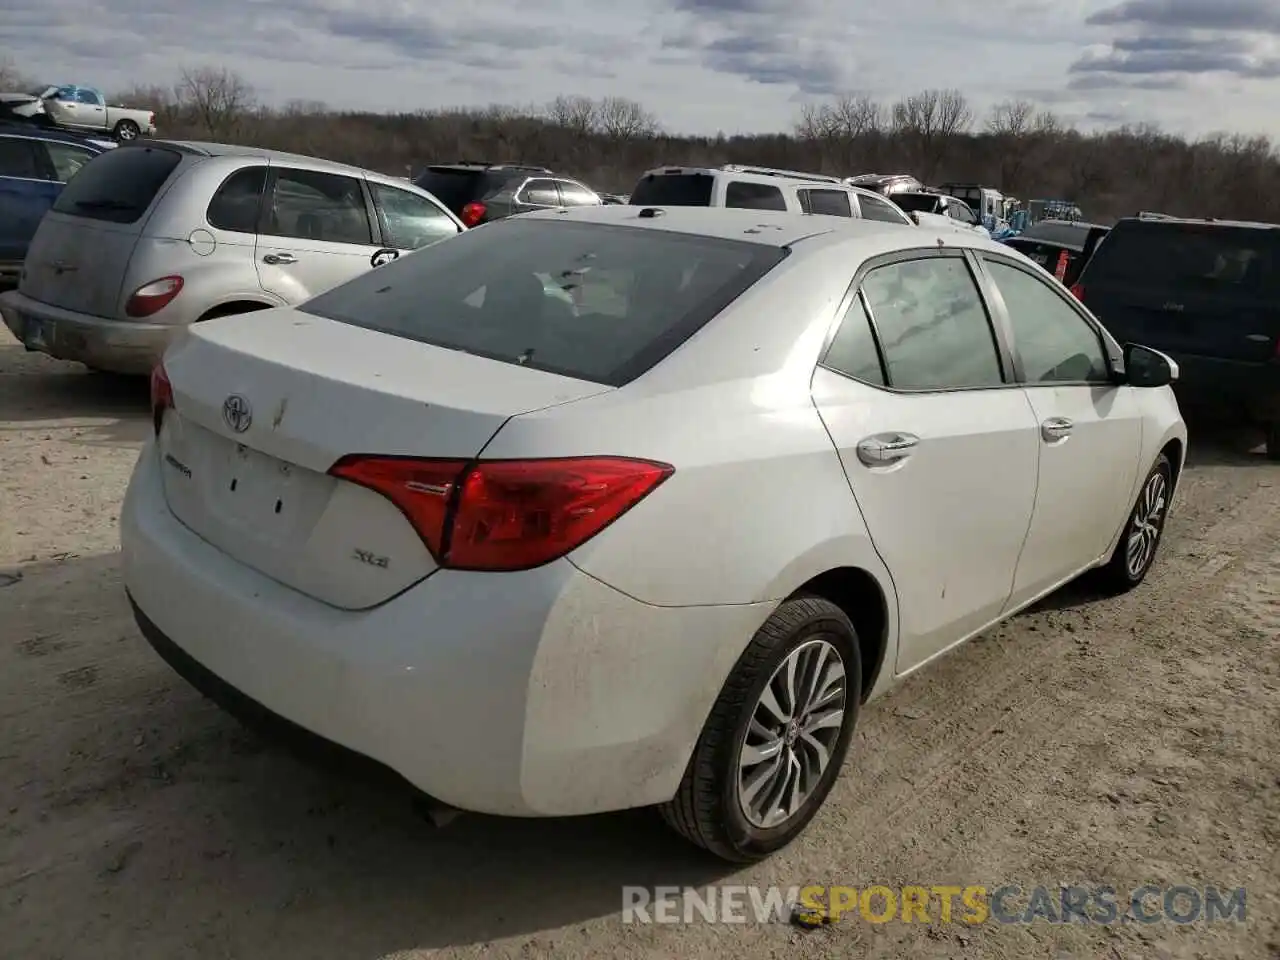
[119, 185]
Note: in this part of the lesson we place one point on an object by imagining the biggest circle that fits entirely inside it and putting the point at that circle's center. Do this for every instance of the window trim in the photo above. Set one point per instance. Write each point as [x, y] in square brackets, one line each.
[373, 189]
[996, 321]
[1112, 352]
[268, 197]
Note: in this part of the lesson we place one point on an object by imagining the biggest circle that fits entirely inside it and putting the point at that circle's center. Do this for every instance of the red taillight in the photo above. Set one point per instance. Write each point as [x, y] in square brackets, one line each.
[151, 298]
[1077, 291]
[506, 514]
[472, 214]
[161, 396]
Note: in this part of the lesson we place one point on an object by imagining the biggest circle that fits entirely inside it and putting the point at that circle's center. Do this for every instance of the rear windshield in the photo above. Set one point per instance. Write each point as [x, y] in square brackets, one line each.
[592, 301]
[456, 188]
[118, 185]
[1188, 257]
[916, 202]
[673, 190]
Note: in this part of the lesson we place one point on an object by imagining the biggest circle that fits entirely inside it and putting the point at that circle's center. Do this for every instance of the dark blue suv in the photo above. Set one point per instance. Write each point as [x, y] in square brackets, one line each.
[34, 164]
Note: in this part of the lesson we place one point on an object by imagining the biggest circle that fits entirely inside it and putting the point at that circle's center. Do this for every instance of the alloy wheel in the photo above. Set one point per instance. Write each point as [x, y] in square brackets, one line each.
[1144, 532]
[792, 734]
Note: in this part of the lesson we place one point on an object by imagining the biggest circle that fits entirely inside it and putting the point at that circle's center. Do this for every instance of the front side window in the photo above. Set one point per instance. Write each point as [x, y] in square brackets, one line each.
[576, 195]
[327, 207]
[932, 325]
[1054, 343]
[874, 209]
[66, 159]
[754, 196]
[412, 221]
[593, 301]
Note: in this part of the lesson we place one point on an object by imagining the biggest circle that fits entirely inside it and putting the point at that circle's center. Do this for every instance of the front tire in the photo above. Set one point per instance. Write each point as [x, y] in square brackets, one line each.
[1143, 531]
[777, 736]
[127, 130]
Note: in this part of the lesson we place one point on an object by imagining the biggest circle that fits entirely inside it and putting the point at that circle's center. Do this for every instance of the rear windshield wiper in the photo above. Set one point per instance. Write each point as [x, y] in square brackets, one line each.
[105, 205]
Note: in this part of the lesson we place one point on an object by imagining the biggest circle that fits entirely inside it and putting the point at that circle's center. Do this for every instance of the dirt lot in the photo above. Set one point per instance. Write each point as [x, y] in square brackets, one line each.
[1117, 742]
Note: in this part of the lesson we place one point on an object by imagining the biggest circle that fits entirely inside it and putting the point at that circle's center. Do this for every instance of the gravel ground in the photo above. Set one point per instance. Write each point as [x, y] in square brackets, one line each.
[1110, 742]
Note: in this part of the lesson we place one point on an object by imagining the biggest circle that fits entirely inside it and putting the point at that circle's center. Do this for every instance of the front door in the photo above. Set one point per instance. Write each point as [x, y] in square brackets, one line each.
[1090, 429]
[939, 446]
[316, 232]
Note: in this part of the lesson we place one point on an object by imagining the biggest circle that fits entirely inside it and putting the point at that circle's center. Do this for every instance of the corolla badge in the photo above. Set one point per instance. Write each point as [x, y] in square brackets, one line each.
[237, 413]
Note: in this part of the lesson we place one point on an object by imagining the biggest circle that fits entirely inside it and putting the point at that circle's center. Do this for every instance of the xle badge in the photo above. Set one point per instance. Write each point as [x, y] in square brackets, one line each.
[372, 559]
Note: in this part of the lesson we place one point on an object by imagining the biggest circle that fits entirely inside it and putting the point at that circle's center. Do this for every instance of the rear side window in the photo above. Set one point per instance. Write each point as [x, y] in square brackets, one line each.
[593, 301]
[1188, 258]
[853, 350]
[18, 159]
[236, 204]
[66, 158]
[755, 196]
[673, 190]
[832, 203]
[119, 185]
[456, 188]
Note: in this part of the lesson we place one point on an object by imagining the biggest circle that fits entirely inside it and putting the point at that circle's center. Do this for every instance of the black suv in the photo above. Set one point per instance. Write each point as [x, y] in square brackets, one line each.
[1207, 293]
[479, 192]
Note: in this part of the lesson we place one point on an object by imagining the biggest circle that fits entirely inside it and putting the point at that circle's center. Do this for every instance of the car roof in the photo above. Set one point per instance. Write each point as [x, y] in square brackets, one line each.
[1199, 222]
[771, 228]
[45, 133]
[209, 149]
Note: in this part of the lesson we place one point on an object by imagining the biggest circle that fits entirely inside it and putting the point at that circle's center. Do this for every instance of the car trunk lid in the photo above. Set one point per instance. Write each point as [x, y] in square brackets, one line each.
[265, 404]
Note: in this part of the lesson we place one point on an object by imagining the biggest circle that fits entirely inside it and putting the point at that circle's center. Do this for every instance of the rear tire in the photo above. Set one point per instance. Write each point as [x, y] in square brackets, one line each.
[740, 807]
[127, 130]
[1136, 551]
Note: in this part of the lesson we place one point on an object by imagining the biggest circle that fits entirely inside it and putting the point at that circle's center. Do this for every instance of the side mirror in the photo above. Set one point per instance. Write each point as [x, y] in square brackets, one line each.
[384, 256]
[1144, 367]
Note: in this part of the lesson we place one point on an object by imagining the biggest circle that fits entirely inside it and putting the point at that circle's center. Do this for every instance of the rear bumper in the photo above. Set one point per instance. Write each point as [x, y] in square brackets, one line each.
[120, 346]
[539, 693]
[1253, 386]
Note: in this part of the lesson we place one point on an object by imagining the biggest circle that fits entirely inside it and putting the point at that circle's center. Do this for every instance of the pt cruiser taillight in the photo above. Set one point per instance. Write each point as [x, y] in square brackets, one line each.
[150, 298]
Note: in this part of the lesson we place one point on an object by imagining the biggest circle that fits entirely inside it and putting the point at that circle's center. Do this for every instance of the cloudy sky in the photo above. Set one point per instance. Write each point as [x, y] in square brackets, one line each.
[1193, 66]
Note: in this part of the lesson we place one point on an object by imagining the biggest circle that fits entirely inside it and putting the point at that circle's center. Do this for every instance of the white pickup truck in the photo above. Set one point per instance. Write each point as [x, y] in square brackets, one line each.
[85, 109]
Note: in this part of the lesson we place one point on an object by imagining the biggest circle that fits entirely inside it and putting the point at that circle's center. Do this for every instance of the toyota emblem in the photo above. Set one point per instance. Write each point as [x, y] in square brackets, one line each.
[237, 413]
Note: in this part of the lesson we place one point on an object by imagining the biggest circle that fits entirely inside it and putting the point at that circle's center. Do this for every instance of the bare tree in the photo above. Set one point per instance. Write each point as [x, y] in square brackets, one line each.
[1012, 118]
[847, 118]
[219, 99]
[929, 121]
[620, 118]
[574, 113]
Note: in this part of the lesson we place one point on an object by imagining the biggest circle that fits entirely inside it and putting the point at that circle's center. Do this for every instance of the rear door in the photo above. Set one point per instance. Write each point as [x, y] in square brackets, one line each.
[317, 231]
[939, 444]
[1189, 289]
[26, 193]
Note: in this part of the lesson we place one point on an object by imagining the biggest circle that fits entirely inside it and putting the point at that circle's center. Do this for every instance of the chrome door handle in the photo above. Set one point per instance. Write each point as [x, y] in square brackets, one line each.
[1056, 428]
[277, 259]
[887, 448]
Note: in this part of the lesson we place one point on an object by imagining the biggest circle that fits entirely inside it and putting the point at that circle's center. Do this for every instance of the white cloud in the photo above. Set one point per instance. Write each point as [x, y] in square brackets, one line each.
[699, 65]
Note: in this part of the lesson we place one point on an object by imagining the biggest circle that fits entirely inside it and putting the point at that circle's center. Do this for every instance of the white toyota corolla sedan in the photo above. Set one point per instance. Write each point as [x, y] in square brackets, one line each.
[595, 509]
